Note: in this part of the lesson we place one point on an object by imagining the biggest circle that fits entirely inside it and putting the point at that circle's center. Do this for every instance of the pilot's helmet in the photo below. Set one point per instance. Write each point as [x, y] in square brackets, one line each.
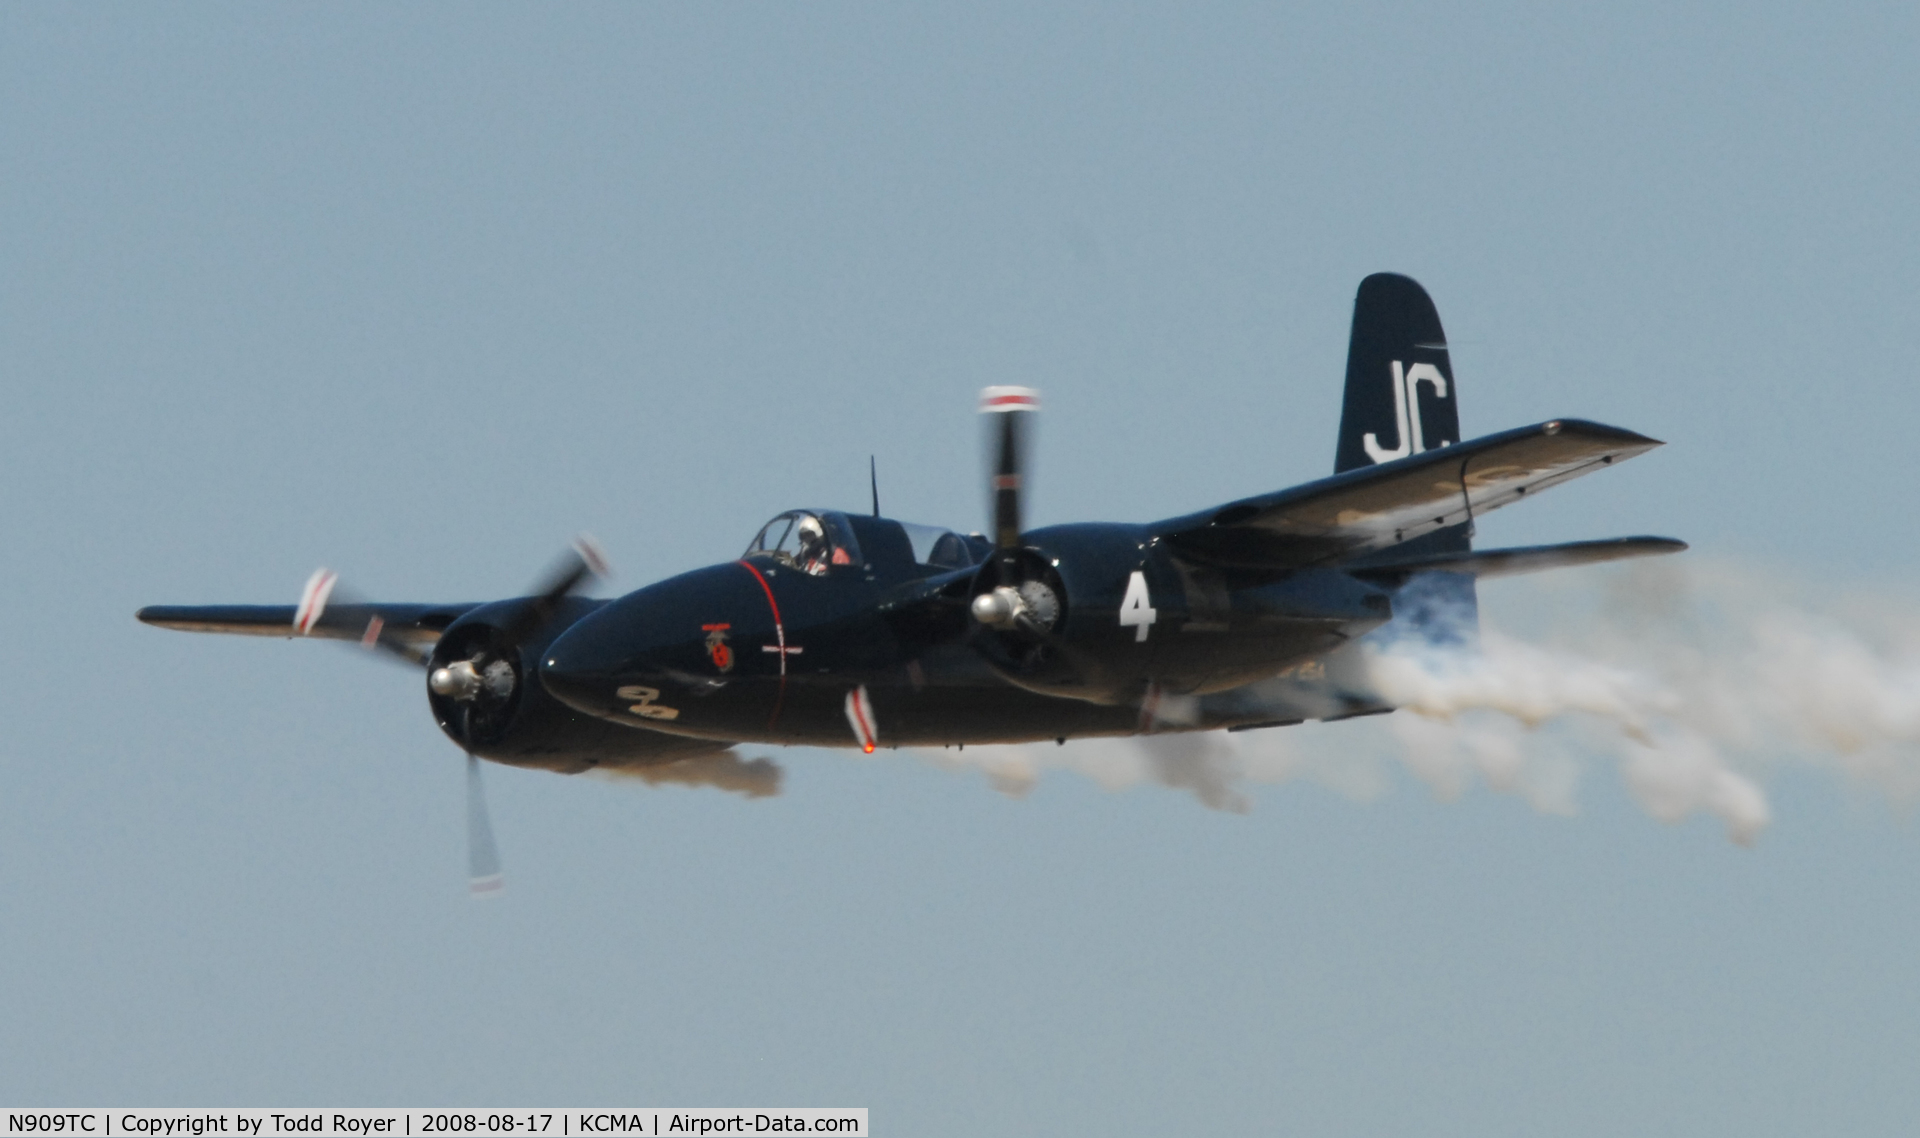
[812, 535]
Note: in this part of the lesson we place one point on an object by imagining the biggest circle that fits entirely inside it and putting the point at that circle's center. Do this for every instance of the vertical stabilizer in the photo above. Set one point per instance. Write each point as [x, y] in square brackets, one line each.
[1401, 400]
[1400, 393]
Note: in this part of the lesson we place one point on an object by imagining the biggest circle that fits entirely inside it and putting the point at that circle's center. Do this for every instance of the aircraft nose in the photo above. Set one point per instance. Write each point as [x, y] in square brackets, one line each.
[584, 666]
[636, 657]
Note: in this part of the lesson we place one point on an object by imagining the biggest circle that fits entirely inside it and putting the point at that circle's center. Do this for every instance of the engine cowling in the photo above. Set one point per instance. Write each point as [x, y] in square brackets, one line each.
[1050, 616]
[1019, 604]
[486, 695]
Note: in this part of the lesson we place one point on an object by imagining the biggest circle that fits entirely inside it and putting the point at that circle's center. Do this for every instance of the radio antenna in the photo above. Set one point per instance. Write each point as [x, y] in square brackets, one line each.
[873, 479]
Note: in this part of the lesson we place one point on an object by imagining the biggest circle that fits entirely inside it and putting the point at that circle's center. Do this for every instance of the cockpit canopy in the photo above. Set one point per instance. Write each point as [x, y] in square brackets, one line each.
[819, 542]
[812, 542]
[940, 549]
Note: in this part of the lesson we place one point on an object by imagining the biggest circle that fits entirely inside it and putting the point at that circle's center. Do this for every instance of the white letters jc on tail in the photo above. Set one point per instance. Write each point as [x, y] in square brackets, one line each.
[1406, 412]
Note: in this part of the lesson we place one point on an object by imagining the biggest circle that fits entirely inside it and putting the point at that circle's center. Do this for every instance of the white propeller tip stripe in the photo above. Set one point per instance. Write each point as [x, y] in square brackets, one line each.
[591, 553]
[1009, 399]
[313, 600]
[484, 887]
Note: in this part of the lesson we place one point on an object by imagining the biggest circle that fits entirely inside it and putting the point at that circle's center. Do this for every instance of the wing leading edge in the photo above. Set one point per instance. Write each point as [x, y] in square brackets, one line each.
[414, 625]
[1373, 508]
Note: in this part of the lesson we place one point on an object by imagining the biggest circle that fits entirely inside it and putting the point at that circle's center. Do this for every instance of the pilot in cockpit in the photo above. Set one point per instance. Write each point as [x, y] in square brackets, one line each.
[814, 550]
[813, 544]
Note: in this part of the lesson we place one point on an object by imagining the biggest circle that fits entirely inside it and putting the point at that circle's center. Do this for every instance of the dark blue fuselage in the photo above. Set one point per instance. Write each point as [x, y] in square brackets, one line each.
[764, 650]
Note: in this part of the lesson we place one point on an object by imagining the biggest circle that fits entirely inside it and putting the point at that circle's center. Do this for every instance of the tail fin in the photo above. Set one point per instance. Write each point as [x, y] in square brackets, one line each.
[1400, 393]
[1401, 400]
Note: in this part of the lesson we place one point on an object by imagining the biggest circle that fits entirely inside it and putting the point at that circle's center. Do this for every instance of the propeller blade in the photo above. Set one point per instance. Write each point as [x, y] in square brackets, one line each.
[484, 878]
[313, 600]
[583, 561]
[327, 605]
[1007, 429]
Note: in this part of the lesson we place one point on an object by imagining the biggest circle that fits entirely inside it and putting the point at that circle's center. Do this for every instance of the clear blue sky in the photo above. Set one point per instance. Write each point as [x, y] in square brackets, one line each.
[419, 292]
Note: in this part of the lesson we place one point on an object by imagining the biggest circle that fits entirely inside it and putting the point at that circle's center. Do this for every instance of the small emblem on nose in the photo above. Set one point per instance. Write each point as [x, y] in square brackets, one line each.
[717, 649]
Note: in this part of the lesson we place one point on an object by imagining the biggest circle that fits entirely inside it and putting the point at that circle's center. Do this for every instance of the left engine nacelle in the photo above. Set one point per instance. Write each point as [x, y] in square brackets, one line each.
[486, 695]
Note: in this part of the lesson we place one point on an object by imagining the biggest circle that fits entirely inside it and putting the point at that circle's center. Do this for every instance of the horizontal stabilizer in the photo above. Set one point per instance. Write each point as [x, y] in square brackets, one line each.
[1371, 508]
[1526, 559]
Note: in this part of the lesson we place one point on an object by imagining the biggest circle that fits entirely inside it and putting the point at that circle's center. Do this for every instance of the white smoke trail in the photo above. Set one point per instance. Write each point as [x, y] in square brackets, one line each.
[754, 778]
[1696, 680]
[1211, 765]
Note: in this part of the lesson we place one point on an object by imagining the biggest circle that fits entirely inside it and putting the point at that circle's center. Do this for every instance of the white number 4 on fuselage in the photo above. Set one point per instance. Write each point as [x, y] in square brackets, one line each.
[1136, 608]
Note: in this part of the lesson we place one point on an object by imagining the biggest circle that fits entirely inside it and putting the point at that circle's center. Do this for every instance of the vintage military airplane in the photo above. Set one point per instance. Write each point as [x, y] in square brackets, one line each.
[841, 629]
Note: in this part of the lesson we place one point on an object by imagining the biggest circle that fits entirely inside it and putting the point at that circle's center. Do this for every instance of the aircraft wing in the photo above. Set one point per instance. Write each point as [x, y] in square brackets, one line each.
[1375, 507]
[410, 629]
[1526, 559]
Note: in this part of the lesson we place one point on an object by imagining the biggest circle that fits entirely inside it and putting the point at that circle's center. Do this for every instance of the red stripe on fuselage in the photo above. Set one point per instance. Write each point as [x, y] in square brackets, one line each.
[779, 634]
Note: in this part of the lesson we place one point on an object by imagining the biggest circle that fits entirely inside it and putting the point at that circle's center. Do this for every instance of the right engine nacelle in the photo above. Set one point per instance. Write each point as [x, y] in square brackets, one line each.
[1070, 614]
[1105, 613]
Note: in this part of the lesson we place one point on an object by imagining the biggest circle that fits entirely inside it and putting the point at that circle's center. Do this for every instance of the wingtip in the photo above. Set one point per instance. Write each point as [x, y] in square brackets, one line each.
[1589, 427]
[162, 616]
[1650, 545]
